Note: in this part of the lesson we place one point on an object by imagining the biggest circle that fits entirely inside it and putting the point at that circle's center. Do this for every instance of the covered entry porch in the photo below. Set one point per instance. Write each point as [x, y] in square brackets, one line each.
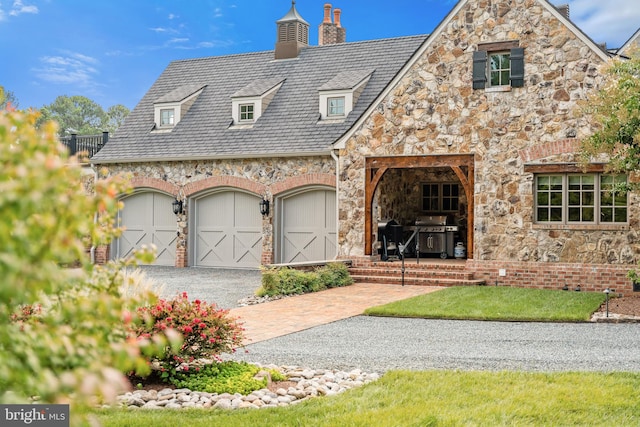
[405, 188]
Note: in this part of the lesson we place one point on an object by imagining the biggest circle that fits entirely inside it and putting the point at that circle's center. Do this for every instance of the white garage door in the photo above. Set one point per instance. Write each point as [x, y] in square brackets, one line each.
[149, 219]
[228, 230]
[309, 226]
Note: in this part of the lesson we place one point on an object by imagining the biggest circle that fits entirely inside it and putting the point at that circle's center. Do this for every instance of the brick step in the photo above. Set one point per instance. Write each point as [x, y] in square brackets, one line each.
[416, 281]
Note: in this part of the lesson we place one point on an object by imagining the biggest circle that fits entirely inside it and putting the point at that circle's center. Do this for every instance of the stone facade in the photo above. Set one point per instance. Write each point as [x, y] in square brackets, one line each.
[268, 178]
[434, 110]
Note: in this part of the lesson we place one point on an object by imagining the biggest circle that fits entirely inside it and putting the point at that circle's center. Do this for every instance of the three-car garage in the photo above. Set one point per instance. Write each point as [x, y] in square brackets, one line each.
[226, 229]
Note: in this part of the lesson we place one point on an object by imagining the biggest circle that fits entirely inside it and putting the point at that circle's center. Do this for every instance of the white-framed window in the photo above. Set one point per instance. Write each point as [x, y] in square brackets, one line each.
[440, 197]
[335, 106]
[167, 117]
[590, 198]
[246, 112]
[499, 68]
[498, 65]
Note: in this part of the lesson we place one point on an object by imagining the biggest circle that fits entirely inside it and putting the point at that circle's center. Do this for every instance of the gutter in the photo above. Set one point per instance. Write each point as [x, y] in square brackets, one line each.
[211, 157]
[337, 159]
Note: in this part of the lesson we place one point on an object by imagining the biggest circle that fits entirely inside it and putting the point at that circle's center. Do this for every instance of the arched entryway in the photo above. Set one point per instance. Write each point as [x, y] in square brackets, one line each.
[462, 166]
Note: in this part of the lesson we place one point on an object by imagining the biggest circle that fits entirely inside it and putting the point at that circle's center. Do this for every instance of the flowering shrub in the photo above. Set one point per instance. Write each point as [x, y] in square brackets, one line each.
[206, 330]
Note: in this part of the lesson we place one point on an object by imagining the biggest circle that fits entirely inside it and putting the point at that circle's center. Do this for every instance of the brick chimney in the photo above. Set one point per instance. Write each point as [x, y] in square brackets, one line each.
[331, 32]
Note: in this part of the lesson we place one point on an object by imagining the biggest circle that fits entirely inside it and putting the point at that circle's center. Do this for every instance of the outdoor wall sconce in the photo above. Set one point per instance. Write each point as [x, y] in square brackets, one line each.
[177, 206]
[264, 207]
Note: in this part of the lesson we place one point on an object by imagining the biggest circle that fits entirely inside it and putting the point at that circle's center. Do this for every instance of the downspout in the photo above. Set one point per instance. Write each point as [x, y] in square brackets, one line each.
[335, 157]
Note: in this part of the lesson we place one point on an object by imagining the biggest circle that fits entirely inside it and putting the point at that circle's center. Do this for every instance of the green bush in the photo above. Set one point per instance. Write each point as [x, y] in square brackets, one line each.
[224, 377]
[289, 281]
[335, 275]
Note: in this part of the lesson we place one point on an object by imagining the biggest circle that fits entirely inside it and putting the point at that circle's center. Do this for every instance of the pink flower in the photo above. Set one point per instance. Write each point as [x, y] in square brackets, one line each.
[188, 329]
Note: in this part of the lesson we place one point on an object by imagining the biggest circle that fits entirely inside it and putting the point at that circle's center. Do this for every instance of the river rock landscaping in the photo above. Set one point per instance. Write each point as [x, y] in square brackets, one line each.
[301, 384]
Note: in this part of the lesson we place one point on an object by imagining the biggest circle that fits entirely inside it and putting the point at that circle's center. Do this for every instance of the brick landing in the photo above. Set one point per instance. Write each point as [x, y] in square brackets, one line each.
[285, 316]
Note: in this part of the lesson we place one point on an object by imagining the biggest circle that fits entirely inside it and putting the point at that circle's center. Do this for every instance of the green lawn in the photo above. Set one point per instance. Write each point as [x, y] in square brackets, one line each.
[496, 303]
[435, 398]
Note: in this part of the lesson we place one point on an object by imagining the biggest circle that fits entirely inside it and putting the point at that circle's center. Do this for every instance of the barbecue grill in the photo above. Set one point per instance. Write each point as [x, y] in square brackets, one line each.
[389, 235]
[435, 236]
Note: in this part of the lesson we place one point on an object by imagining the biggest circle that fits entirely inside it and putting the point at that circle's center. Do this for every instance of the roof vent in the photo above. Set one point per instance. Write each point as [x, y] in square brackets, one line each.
[293, 34]
[564, 10]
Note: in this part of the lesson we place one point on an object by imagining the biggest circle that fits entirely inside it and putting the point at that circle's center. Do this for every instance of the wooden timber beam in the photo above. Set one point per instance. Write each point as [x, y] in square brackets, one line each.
[375, 168]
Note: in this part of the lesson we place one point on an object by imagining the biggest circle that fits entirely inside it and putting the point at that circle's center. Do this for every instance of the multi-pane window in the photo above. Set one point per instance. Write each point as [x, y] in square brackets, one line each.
[167, 117]
[499, 69]
[580, 198]
[498, 65]
[440, 197]
[246, 112]
[335, 106]
[613, 204]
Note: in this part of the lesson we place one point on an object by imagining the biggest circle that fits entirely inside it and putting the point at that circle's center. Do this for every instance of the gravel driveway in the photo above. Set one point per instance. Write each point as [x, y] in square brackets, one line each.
[221, 286]
[376, 344]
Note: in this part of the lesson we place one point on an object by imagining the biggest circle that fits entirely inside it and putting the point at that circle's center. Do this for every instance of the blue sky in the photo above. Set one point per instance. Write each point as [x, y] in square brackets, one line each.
[112, 51]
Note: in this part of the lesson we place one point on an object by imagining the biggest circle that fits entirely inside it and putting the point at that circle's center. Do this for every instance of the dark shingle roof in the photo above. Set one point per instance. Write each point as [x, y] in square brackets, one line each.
[289, 126]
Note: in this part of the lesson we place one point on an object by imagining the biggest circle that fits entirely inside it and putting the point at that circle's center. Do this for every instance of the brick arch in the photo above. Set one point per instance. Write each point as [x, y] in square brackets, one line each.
[155, 183]
[224, 181]
[549, 149]
[303, 180]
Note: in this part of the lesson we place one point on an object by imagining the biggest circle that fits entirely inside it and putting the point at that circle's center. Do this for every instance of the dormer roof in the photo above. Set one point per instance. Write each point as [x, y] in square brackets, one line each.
[346, 80]
[179, 94]
[258, 87]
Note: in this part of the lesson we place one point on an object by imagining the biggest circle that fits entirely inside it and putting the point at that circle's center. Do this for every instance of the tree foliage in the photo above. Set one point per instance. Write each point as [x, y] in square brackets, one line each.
[616, 113]
[81, 115]
[7, 99]
[64, 330]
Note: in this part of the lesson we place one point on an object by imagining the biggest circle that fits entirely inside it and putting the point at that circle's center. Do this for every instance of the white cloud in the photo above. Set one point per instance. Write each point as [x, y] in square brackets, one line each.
[611, 21]
[70, 68]
[20, 8]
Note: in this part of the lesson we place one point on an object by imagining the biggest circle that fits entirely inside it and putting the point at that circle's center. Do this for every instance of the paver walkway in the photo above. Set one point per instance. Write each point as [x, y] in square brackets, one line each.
[281, 317]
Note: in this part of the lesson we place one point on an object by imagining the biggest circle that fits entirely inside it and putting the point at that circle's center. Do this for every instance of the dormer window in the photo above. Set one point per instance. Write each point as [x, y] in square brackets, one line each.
[339, 95]
[246, 112]
[335, 107]
[167, 117]
[250, 102]
[173, 106]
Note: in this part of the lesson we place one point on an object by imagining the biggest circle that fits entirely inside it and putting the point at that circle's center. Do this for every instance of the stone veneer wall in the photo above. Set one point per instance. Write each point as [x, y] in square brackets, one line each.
[263, 177]
[434, 110]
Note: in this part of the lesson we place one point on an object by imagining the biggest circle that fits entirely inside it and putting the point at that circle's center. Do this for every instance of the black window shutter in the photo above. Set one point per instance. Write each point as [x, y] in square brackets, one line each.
[517, 67]
[479, 69]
